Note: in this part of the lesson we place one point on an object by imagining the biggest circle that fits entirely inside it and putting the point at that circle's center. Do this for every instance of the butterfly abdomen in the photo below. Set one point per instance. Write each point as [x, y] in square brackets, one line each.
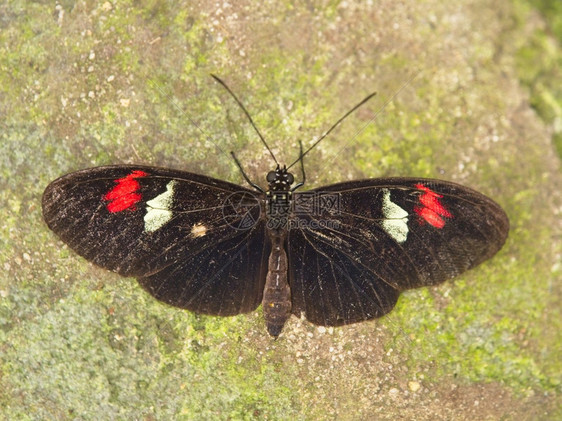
[276, 301]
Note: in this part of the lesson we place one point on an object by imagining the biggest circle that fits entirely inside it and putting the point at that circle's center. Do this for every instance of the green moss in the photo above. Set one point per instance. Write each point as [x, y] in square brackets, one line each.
[538, 63]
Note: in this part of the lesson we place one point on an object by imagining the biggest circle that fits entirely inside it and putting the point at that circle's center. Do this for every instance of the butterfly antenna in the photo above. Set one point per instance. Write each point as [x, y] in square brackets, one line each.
[303, 179]
[378, 112]
[250, 182]
[247, 115]
[336, 124]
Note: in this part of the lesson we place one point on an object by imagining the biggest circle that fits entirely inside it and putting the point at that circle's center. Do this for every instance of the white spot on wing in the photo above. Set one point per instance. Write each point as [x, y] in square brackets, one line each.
[395, 221]
[198, 230]
[158, 211]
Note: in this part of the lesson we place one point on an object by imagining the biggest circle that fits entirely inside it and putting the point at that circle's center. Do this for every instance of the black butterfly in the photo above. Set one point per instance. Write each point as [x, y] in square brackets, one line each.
[339, 254]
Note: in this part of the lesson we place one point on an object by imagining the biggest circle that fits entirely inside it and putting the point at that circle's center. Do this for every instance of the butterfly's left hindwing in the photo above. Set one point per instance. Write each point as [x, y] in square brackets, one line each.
[367, 240]
[167, 228]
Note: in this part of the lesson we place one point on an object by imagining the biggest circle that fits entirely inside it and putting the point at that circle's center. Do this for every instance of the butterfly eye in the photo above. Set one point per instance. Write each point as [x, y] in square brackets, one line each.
[271, 176]
[289, 178]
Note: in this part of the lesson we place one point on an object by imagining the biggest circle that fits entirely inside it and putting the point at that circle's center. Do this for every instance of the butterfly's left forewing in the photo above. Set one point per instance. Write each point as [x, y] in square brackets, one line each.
[366, 241]
[169, 229]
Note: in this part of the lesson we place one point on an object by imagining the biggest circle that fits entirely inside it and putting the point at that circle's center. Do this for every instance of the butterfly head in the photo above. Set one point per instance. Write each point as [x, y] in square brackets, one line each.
[280, 179]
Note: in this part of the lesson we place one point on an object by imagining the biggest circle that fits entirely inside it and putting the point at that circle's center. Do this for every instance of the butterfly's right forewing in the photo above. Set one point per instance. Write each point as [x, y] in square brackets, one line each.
[192, 241]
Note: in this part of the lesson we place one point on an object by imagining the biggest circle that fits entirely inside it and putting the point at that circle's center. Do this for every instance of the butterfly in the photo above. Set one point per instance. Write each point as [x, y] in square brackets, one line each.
[337, 254]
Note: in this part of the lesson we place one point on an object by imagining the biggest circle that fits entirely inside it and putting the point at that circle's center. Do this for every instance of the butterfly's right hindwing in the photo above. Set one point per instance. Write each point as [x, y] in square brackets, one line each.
[168, 228]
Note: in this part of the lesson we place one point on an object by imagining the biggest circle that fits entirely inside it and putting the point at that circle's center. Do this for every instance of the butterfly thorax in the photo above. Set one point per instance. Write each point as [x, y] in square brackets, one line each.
[279, 197]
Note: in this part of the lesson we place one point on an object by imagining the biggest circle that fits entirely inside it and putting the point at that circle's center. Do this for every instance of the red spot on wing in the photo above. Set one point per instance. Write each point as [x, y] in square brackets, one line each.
[124, 202]
[430, 217]
[124, 195]
[431, 210]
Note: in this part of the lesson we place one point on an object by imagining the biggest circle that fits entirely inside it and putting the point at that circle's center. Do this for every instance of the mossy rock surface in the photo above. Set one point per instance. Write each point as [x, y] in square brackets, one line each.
[93, 83]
